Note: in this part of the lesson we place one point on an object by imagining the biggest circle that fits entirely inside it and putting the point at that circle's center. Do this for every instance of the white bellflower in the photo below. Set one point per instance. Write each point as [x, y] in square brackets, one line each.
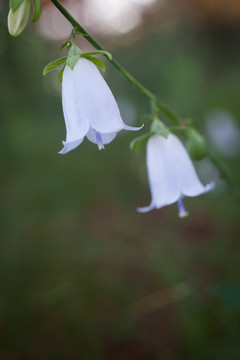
[89, 107]
[171, 174]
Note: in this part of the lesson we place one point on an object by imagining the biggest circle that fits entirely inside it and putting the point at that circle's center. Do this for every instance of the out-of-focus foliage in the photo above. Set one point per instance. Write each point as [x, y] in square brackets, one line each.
[82, 274]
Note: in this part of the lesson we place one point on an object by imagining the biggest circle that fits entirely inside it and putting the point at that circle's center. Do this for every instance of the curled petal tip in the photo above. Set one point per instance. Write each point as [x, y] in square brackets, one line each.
[145, 208]
[132, 128]
[210, 186]
[68, 146]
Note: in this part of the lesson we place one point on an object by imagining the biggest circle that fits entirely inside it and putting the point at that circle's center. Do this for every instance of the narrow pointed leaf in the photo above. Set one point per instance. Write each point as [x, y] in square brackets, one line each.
[99, 63]
[137, 143]
[54, 64]
[14, 4]
[66, 44]
[37, 10]
[98, 52]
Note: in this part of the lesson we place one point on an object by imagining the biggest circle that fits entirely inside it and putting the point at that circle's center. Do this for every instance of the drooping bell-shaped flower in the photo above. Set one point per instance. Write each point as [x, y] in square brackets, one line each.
[89, 107]
[171, 174]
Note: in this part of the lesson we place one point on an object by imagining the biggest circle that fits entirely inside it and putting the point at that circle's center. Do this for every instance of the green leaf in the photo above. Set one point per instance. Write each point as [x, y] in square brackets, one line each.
[96, 61]
[60, 74]
[37, 10]
[159, 128]
[137, 143]
[14, 4]
[66, 44]
[97, 52]
[54, 64]
[73, 56]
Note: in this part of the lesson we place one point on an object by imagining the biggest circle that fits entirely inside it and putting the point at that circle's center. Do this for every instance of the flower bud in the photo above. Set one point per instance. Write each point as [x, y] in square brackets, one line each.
[18, 19]
[196, 145]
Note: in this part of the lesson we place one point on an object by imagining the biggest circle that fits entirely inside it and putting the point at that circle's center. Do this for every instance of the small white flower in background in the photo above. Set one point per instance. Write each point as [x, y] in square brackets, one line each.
[224, 133]
[171, 174]
[89, 107]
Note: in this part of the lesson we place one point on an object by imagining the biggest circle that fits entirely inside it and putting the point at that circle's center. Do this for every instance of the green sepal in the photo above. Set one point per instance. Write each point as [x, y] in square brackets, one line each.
[37, 10]
[97, 52]
[137, 143]
[159, 128]
[196, 144]
[73, 56]
[96, 62]
[54, 64]
[60, 74]
[151, 111]
[14, 4]
[66, 44]
[78, 32]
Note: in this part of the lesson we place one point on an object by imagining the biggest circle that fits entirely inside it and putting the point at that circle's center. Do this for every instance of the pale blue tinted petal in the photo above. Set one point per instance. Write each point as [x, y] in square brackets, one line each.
[68, 146]
[75, 101]
[132, 128]
[146, 208]
[97, 101]
[162, 174]
[106, 138]
[188, 181]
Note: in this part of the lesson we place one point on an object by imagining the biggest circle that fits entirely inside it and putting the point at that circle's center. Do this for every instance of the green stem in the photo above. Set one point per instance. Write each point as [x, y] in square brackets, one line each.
[225, 174]
[116, 64]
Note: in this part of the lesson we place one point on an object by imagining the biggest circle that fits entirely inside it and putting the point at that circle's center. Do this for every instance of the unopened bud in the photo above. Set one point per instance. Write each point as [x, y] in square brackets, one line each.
[17, 20]
[196, 145]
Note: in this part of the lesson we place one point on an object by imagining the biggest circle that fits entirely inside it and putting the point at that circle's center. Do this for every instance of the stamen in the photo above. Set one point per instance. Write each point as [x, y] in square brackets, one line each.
[181, 209]
[99, 140]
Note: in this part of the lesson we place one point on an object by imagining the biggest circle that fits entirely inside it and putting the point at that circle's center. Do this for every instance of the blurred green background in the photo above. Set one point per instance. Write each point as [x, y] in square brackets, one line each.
[82, 274]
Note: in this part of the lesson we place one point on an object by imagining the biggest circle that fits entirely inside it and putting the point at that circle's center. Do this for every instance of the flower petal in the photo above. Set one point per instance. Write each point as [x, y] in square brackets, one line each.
[97, 102]
[74, 102]
[162, 176]
[106, 138]
[68, 146]
[132, 128]
[188, 181]
[146, 208]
